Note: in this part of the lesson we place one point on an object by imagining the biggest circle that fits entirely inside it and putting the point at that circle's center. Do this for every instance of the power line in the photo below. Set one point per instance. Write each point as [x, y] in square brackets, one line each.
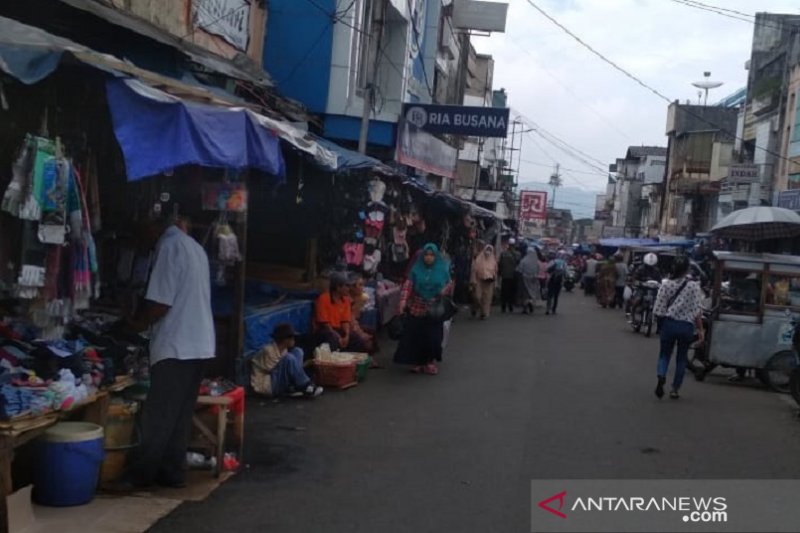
[567, 88]
[742, 13]
[750, 19]
[558, 140]
[645, 85]
[549, 165]
[306, 56]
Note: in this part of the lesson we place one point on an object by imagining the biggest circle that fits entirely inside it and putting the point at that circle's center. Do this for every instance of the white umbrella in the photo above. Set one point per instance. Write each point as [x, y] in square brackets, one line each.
[759, 223]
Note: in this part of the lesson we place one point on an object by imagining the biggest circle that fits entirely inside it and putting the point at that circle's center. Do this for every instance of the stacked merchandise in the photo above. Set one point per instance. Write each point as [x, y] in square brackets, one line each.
[39, 376]
[58, 271]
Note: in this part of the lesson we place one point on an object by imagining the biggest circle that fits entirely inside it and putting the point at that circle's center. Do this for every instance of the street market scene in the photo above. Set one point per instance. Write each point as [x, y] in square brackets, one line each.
[399, 265]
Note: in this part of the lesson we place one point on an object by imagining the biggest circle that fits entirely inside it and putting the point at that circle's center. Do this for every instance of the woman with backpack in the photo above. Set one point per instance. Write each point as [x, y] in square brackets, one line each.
[679, 305]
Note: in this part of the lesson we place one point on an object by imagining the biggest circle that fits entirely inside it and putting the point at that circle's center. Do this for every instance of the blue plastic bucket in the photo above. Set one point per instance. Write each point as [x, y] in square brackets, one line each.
[68, 459]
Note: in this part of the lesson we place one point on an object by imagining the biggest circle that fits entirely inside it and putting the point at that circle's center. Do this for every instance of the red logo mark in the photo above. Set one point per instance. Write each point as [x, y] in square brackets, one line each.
[560, 497]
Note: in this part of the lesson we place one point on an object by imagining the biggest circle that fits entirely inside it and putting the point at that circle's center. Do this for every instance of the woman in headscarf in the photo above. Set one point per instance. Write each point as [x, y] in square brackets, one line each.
[428, 281]
[606, 283]
[484, 276]
[529, 269]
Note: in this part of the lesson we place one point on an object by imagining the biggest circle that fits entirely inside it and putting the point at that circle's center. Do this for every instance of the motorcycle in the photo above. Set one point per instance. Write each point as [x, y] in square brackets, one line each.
[642, 309]
[570, 279]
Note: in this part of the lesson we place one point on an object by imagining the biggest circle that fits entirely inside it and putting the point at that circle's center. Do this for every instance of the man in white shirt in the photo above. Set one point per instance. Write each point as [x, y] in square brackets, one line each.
[178, 310]
[590, 276]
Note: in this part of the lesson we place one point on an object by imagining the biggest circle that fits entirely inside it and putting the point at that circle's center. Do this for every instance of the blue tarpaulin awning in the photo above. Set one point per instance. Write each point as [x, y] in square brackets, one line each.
[348, 159]
[159, 132]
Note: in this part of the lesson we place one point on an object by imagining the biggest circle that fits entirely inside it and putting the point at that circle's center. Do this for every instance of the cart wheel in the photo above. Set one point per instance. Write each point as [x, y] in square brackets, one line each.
[776, 374]
[699, 374]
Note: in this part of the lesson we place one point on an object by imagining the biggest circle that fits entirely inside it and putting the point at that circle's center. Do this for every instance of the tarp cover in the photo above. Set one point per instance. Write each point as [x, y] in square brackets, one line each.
[159, 132]
[349, 159]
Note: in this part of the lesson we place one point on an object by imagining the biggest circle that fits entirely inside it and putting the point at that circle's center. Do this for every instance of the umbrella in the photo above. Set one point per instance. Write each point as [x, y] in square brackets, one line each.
[759, 223]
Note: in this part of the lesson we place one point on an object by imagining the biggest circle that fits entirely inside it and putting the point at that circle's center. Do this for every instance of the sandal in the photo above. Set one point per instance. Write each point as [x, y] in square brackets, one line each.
[431, 369]
[417, 370]
[674, 394]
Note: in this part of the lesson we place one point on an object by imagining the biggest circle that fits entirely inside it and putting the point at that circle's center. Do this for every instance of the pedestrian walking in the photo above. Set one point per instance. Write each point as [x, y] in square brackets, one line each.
[509, 260]
[529, 290]
[590, 275]
[606, 280]
[556, 270]
[428, 282]
[621, 279]
[679, 304]
[484, 276]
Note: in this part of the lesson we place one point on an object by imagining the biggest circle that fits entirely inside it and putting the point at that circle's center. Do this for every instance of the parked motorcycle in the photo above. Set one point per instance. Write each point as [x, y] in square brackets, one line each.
[642, 309]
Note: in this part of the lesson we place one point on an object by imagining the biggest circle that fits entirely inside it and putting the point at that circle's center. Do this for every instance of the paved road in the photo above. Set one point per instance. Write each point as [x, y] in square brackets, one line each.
[569, 396]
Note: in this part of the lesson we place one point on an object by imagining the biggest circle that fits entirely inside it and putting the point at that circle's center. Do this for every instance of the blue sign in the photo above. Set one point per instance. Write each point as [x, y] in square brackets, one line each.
[458, 120]
[789, 199]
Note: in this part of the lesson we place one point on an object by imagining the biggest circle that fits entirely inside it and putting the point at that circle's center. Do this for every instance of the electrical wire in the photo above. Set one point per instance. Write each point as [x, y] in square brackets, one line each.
[751, 19]
[302, 61]
[720, 8]
[549, 165]
[567, 88]
[644, 85]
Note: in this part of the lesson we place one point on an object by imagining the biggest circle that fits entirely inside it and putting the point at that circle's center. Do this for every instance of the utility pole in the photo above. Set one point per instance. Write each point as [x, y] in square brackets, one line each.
[477, 171]
[555, 183]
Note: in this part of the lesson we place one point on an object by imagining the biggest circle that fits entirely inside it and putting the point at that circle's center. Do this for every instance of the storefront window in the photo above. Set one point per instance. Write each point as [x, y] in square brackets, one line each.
[741, 292]
[783, 290]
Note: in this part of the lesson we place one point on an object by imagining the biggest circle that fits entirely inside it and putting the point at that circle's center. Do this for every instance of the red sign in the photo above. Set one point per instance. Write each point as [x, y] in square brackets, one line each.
[532, 205]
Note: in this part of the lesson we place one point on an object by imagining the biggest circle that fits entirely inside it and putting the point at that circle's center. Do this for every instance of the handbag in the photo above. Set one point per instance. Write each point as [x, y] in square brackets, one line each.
[443, 309]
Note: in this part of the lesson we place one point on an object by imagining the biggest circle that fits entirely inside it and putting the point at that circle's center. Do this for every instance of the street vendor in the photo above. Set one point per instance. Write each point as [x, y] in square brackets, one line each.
[277, 369]
[177, 309]
[333, 315]
[360, 338]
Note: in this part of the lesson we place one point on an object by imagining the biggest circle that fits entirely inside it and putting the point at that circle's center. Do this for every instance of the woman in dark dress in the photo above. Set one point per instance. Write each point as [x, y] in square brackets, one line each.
[428, 281]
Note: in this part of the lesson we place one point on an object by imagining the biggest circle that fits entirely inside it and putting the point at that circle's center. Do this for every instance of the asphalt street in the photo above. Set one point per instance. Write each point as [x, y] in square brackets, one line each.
[518, 398]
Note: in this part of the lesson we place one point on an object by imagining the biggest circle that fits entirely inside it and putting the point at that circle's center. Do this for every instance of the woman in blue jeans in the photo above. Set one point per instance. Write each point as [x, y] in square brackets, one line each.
[679, 305]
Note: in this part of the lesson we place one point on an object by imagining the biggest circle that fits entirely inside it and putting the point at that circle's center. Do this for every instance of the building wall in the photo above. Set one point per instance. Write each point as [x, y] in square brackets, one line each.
[298, 48]
[789, 175]
[175, 16]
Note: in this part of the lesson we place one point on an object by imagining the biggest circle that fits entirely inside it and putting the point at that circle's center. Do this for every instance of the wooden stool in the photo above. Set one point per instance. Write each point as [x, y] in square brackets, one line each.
[217, 439]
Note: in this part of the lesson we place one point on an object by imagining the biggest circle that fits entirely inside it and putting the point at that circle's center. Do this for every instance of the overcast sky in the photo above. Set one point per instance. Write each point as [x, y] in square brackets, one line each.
[561, 86]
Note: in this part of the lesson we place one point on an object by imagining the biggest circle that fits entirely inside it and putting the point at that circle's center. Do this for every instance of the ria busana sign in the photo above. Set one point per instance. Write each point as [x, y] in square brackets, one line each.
[470, 121]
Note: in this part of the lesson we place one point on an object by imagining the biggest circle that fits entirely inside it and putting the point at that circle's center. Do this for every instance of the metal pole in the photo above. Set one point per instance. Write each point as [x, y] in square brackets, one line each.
[477, 171]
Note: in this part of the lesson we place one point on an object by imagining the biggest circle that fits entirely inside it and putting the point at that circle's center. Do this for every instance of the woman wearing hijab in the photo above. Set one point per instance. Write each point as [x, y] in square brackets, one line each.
[528, 270]
[428, 281]
[484, 274]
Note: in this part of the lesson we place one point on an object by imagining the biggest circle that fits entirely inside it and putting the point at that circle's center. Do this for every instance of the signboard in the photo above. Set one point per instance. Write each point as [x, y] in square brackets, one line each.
[471, 121]
[480, 16]
[789, 199]
[230, 19]
[532, 205]
[423, 151]
[743, 173]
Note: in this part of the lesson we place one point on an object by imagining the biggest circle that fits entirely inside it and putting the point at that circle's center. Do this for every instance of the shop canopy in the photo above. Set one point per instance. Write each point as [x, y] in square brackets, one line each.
[159, 132]
[30, 54]
[347, 160]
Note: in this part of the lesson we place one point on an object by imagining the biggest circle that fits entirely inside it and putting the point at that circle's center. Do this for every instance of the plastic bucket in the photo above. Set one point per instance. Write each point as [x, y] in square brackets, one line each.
[68, 458]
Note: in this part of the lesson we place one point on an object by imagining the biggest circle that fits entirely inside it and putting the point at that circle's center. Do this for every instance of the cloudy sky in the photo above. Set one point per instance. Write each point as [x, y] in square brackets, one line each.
[562, 87]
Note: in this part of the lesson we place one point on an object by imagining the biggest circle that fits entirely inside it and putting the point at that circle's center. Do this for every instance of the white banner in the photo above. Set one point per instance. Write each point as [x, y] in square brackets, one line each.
[230, 19]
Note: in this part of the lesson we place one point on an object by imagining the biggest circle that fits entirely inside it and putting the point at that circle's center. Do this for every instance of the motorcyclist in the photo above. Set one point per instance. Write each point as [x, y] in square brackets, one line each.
[647, 271]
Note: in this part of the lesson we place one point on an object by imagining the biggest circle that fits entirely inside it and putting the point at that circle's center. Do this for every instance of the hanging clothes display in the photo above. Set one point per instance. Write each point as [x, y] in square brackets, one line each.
[59, 268]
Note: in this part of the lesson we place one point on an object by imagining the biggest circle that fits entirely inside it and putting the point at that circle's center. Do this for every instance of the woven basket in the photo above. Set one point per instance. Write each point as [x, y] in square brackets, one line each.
[335, 375]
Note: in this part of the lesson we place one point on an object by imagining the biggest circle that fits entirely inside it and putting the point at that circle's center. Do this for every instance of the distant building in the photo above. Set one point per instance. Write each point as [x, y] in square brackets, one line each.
[636, 193]
[700, 152]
